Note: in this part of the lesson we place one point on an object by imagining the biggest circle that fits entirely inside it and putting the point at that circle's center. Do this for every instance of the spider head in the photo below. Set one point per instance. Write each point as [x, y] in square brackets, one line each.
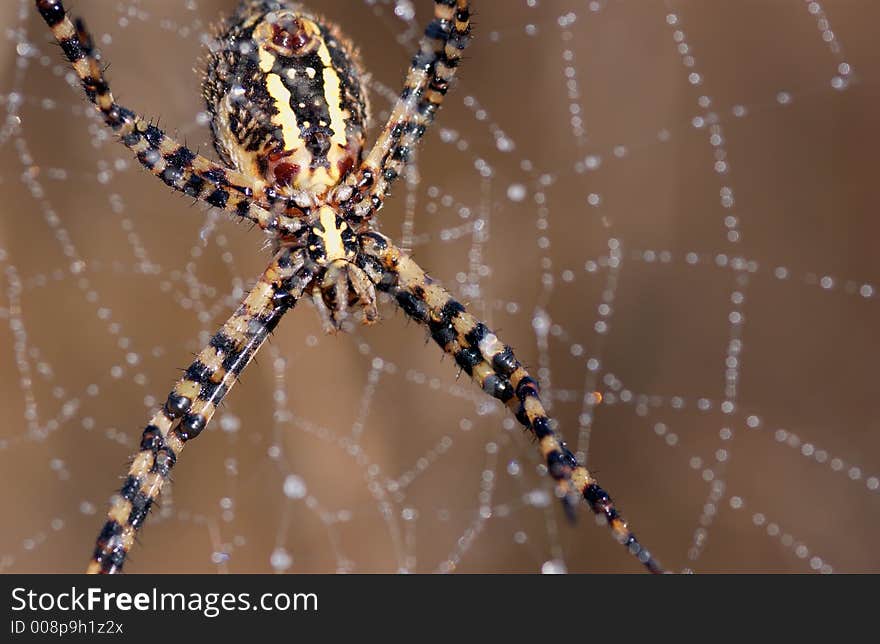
[285, 94]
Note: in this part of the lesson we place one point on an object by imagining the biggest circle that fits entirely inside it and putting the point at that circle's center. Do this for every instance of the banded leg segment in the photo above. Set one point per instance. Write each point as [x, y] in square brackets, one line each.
[192, 403]
[176, 165]
[430, 74]
[493, 366]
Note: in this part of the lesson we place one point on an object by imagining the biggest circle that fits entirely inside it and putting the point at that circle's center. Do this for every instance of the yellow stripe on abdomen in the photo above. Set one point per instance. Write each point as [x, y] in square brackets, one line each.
[333, 96]
[286, 117]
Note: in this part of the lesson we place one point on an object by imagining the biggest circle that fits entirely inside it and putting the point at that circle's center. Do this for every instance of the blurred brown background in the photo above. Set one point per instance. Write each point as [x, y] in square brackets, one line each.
[753, 282]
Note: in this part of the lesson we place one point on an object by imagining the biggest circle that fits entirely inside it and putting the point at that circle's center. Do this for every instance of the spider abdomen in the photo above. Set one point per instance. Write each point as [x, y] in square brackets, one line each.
[285, 95]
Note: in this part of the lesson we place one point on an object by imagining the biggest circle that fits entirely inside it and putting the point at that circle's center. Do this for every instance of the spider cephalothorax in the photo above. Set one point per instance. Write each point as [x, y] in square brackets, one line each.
[289, 115]
[339, 281]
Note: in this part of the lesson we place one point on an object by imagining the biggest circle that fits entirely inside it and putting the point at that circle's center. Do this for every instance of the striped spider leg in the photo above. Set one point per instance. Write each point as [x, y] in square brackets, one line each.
[493, 366]
[193, 400]
[477, 351]
[175, 164]
[430, 74]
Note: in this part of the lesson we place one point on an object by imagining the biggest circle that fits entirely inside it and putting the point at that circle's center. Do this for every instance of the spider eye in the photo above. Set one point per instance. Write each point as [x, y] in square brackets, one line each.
[288, 35]
[295, 41]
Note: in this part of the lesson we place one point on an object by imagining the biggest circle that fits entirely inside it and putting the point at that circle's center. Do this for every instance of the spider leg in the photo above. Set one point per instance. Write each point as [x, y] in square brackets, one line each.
[327, 324]
[192, 402]
[492, 365]
[366, 295]
[175, 164]
[335, 285]
[430, 74]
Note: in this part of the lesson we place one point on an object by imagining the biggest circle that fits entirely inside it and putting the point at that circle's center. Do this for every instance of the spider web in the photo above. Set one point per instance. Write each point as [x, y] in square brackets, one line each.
[667, 205]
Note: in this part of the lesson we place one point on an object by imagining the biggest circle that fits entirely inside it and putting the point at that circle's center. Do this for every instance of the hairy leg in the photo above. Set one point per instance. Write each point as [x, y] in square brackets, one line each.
[175, 164]
[192, 403]
[493, 366]
[430, 74]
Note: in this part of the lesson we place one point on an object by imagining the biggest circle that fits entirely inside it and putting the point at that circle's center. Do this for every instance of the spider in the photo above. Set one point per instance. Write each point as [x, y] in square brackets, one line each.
[289, 115]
